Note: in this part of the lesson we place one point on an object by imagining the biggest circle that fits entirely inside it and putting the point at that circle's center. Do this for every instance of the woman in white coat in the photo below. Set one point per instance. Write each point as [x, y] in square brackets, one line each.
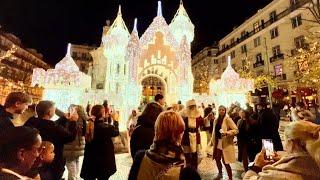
[224, 130]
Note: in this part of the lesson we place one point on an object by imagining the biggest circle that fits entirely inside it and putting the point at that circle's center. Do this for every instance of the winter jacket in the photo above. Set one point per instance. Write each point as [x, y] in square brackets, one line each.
[75, 148]
[5, 119]
[99, 157]
[228, 149]
[163, 161]
[295, 166]
[59, 136]
[142, 136]
[269, 126]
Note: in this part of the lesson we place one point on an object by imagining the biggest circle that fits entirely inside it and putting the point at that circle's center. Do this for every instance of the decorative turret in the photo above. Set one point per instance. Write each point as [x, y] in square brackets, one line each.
[67, 63]
[181, 25]
[117, 37]
[133, 52]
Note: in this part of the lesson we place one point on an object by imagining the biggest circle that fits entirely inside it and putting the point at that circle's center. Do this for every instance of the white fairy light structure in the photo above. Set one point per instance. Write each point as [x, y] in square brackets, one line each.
[65, 84]
[124, 61]
[231, 88]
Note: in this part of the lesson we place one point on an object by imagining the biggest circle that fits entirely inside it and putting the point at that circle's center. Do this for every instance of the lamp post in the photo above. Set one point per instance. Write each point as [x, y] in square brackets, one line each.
[268, 71]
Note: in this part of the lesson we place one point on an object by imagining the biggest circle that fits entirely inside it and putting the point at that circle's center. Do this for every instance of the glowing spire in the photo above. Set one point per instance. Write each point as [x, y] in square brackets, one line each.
[181, 24]
[119, 11]
[159, 13]
[135, 25]
[229, 61]
[69, 50]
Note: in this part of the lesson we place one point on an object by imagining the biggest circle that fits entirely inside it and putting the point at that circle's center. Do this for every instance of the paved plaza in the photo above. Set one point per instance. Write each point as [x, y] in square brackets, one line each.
[207, 167]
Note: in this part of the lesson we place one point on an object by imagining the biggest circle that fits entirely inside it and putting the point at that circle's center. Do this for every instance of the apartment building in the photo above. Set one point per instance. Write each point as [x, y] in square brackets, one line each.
[268, 40]
[204, 68]
[82, 57]
[20, 65]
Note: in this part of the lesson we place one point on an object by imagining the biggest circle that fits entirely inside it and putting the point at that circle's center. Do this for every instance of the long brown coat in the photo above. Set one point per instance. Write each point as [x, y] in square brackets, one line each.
[228, 149]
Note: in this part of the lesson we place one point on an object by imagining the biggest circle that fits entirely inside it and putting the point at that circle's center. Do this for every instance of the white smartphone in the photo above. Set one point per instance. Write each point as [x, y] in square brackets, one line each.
[268, 146]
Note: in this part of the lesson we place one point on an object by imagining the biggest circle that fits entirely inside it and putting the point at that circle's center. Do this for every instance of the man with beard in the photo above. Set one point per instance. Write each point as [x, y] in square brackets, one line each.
[16, 103]
[191, 140]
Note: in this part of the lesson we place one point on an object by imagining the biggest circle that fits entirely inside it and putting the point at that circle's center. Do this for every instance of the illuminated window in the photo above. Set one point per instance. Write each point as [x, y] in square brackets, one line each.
[278, 70]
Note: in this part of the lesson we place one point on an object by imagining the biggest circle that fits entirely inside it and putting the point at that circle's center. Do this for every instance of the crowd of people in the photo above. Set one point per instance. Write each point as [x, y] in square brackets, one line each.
[165, 142]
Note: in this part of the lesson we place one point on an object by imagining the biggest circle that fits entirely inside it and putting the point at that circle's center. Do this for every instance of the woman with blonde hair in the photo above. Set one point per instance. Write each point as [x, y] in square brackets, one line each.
[165, 158]
[302, 158]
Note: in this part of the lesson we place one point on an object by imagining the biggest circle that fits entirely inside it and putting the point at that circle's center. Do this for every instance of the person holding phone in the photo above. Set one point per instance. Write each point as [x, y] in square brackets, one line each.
[301, 160]
[224, 130]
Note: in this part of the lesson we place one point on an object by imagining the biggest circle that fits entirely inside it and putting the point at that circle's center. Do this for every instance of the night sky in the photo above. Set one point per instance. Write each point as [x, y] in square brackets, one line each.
[48, 25]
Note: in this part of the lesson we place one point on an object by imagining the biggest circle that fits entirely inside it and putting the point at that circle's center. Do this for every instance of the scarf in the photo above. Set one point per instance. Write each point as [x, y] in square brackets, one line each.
[165, 152]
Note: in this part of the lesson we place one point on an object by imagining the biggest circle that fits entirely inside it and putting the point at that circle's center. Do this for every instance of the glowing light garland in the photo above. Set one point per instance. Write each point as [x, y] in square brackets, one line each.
[231, 88]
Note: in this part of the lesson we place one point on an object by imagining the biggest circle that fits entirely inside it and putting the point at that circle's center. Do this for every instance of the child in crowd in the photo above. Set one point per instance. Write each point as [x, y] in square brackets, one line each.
[40, 167]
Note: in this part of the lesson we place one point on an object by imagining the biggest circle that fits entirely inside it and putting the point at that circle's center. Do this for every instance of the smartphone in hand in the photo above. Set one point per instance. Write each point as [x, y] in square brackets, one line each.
[268, 146]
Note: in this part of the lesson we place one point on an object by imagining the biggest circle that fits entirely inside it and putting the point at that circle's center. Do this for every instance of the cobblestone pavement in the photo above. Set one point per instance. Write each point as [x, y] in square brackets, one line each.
[207, 167]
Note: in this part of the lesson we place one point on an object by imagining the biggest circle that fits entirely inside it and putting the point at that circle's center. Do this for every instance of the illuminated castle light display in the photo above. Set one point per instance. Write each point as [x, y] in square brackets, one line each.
[124, 61]
[64, 84]
[231, 88]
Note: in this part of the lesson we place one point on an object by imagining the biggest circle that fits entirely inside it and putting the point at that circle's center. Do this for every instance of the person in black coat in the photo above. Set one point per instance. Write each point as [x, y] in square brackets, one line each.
[269, 126]
[53, 133]
[143, 134]
[16, 103]
[99, 159]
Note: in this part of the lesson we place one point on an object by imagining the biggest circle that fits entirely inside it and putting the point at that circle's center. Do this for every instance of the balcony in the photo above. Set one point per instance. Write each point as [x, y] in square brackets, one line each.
[264, 25]
[280, 77]
[276, 57]
[258, 64]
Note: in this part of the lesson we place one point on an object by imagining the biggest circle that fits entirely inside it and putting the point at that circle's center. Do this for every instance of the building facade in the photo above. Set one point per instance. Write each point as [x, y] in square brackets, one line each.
[82, 57]
[268, 40]
[19, 66]
[204, 68]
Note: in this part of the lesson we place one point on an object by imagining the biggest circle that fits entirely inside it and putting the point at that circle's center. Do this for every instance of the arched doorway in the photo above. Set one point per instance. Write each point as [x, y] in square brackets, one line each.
[151, 86]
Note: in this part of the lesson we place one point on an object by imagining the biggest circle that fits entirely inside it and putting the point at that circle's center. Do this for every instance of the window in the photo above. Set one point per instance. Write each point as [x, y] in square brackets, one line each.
[300, 42]
[296, 21]
[243, 34]
[257, 42]
[118, 68]
[256, 26]
[259, 57]
[276, 51]
[209, 53]
[243, 63]
[215, 61]
[223, 46]
[224, 59]
[293, 2]
[278, 70]
[274, 32]
[231, 41]
[244, 49]
[233, 54]
[273, 16]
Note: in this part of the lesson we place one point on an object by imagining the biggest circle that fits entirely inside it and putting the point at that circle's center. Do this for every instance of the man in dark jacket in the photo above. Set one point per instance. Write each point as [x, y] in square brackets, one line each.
[269, 126]
[16, 103]
[54, 133]
[143, 134]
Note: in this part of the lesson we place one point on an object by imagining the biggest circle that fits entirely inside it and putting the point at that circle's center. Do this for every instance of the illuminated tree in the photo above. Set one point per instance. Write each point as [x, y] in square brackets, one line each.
[260, 80]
